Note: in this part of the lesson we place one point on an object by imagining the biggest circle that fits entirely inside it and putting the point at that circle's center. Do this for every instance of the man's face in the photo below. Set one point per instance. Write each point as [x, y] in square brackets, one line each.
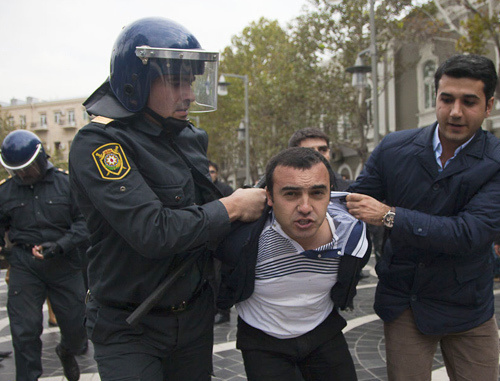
[213, 173]
[300, 199]
[318, 144]
[461, 107]
[171, 96]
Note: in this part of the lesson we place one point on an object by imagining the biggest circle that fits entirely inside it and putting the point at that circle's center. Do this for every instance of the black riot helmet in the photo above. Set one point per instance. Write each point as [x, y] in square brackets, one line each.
[156, 47]
[23, 156]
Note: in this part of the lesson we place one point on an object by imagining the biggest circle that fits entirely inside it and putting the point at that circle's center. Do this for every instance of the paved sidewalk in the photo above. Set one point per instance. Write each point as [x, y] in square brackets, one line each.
[364, 334]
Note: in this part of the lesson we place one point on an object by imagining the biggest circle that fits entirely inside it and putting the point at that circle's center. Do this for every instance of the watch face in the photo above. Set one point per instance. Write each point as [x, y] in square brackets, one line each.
[389, 219]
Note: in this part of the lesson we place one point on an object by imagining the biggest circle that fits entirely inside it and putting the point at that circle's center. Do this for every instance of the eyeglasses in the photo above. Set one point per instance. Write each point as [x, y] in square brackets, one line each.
[212, 171]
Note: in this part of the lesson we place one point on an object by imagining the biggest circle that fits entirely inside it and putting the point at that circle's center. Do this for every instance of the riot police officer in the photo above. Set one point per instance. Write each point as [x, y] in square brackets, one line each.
[140, 173]
[45, 226]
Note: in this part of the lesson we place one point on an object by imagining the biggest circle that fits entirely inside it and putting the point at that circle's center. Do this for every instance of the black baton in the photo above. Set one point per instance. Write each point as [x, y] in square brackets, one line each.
[153, 299]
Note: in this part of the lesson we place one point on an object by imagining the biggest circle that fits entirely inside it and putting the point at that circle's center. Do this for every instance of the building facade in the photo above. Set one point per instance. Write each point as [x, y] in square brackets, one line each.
[406, 93]
[55, 122]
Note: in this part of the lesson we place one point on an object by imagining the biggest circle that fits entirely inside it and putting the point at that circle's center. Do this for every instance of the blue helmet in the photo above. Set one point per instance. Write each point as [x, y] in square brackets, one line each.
[152, 47]
[22, 155]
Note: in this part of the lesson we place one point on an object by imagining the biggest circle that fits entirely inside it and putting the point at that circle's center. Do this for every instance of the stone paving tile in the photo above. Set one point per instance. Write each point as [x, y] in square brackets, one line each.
[365, 341]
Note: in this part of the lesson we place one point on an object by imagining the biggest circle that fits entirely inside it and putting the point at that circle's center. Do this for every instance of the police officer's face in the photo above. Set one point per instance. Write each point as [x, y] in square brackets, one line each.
[31, 174]
[171, 96]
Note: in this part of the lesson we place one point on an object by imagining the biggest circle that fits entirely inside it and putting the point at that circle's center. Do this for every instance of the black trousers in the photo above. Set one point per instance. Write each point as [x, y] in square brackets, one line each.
[174, 346]
[31, 281]
[319, 355]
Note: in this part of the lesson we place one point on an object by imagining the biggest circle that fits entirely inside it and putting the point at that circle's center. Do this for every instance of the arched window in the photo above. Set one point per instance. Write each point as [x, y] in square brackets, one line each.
[429, 90]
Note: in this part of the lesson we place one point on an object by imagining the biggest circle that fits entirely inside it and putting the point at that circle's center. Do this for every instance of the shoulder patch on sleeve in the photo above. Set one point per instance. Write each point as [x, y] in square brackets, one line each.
[111, 161]
[102, 120]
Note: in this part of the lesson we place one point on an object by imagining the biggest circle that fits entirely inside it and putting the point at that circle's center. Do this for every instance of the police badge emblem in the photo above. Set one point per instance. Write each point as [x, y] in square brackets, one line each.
[111, 161]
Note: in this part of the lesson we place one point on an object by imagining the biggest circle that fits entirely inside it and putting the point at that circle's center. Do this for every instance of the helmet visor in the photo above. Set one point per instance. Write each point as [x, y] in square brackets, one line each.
[181, 80]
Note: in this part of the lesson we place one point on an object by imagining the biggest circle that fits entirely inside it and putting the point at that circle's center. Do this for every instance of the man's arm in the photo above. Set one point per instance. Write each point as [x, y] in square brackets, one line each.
[473, 226]
[133, 209]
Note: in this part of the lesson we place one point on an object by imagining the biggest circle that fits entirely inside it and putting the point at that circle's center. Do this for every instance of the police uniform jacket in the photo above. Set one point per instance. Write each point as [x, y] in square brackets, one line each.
[144, 210]
[436, 260]
[42, 212]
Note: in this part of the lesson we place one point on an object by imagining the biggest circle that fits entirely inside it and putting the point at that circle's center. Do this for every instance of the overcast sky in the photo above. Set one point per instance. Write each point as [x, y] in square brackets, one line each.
[59, 49]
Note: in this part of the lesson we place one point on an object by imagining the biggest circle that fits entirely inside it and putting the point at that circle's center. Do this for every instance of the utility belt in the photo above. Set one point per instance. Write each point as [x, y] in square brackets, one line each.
[175, 308]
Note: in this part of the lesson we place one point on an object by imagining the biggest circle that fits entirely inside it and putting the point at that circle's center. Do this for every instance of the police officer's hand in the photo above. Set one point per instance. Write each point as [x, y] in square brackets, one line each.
[245, 205]
[46, 250]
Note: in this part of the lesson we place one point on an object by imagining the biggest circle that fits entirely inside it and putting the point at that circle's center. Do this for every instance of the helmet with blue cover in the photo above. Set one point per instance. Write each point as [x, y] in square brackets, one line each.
[23, 156]
[153, 50]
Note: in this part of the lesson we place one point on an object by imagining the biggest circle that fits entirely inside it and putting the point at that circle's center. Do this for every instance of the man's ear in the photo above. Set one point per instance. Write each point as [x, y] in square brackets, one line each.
[269, 197]
[489, 106]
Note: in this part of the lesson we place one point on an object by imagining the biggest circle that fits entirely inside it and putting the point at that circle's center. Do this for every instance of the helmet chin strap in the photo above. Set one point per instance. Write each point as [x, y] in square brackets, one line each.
[170, 124]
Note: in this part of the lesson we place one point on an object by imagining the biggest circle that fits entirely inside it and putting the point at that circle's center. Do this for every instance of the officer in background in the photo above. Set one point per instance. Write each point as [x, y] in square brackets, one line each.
[140, 173]
[45, 227]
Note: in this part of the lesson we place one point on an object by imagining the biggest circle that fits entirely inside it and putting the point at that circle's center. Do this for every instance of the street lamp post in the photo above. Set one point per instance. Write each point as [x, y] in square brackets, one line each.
[373, 52]
[359, 71]
[223, 91]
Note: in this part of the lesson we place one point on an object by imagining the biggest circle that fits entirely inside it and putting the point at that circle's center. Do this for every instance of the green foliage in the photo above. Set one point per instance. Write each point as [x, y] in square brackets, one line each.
[475, 40]
[297, 75]
[282, 96]
[480, 28]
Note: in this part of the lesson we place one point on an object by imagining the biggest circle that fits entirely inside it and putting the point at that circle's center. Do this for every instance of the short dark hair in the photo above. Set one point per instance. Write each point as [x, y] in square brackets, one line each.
[299, 158]
[306, 133]
[212, 164]
[469, 66]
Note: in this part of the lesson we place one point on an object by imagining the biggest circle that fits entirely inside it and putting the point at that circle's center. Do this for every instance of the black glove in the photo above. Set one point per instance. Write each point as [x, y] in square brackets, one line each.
[50, 250]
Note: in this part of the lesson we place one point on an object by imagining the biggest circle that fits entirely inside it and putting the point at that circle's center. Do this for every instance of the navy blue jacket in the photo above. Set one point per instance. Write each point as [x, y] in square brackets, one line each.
[436, 258]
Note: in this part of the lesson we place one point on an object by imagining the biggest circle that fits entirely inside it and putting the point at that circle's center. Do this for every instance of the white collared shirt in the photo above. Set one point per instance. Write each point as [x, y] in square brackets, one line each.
[438, 149]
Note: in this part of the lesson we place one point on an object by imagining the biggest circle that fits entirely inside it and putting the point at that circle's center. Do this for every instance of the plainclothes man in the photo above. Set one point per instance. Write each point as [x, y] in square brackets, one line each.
[291, 271]
[441, 186]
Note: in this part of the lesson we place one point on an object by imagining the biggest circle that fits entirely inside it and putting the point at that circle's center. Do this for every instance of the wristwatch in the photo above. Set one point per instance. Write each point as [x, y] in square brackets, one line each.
[388, 218]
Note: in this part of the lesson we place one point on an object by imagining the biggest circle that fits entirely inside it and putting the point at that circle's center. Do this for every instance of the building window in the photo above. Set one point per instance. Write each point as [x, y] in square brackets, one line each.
[71, 117]
[22, 121]
[10, 121]
[57, 117]
[429, 90]
[43, 120]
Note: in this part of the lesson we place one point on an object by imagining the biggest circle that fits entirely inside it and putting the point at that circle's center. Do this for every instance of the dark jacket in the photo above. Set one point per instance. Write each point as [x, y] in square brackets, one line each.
[238, 254]
[42, 212]
[143, 207]
[436, 258]
[224, 188]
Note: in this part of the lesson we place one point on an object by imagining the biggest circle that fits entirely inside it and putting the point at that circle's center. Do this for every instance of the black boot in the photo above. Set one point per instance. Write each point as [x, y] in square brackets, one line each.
[70, 366]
